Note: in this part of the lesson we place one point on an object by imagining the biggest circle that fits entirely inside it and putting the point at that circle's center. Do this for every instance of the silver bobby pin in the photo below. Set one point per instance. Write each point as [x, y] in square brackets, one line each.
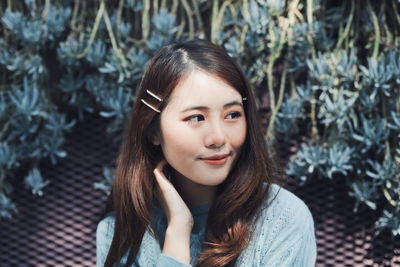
[150, 106]
[153, 95]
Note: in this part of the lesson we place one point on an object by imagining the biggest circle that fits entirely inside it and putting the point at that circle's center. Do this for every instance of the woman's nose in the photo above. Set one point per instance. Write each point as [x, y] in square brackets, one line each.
[215, 138]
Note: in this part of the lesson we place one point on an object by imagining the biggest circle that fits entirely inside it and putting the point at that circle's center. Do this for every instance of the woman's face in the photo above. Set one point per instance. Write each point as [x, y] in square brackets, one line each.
[203, 128]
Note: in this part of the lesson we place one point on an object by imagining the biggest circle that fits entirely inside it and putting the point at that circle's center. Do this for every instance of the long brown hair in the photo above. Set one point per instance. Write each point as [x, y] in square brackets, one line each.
[239, 197]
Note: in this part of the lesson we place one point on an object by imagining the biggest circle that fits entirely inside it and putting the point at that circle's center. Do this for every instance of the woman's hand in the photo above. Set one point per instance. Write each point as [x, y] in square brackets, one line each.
[176, 210]
[180, 219]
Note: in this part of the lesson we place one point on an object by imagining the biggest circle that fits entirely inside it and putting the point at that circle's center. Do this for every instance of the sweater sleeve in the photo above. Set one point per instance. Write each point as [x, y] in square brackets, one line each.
[293, 243]
[104, 236]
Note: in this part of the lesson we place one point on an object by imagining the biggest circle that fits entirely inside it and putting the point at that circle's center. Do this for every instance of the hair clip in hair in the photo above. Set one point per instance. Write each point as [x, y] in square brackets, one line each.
[153, 95]
[150, 106]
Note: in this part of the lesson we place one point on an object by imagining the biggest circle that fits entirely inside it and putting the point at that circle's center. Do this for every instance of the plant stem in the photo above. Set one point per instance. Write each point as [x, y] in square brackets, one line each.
[270, 66]
[274, 112]
[245, 10]
[45, 12]
[155, 7]
[313, 116]
[347, 28]
[243, 35]
[181, 29]
[221, 13]
[389, 36]
[284, 23]
[310, 29]
[188, 11]
[174, 7]
[74, 15]
[146, 20]
[397, 22]
[214, 14]
[113, 40]
[389, 198]
[198, 18]
[377, 34]
[163, 4]
[396, 13]
[314, 129]
[119, 16]
[293, 8]
[99, 15]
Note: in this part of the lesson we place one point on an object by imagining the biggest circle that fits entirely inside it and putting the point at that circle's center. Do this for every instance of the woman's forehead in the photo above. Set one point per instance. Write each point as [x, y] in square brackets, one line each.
[204, 89]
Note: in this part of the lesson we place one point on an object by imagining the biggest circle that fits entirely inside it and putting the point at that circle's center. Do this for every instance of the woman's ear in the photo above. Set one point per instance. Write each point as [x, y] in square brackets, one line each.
[156, 140]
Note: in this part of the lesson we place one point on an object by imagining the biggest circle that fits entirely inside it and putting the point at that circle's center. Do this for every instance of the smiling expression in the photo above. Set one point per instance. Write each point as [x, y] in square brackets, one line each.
[203, 128]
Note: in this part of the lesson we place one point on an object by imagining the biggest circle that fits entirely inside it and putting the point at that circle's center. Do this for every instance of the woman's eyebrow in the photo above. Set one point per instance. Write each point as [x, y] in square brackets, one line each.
[233, 103]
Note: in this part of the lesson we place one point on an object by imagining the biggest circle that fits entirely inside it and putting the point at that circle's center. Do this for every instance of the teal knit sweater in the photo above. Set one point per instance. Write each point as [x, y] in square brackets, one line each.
[284, 236]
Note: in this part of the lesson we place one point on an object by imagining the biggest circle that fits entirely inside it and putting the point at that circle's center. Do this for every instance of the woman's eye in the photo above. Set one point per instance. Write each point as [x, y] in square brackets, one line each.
[233, 115]
[195, 118]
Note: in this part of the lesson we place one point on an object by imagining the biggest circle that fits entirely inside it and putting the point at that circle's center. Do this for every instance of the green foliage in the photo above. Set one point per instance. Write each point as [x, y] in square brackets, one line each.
[34, 180]
[326, 70]
[31, 127]
[6, 207]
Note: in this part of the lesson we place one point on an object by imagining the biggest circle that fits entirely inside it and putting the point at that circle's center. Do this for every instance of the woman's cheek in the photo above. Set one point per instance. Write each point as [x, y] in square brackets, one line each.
[178, 142]
[238, 135]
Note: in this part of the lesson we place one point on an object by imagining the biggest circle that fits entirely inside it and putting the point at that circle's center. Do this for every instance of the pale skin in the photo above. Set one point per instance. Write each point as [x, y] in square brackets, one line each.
[180, 220]
[204, 118]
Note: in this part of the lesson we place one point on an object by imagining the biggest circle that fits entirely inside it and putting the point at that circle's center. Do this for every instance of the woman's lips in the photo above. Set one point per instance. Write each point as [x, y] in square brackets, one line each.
[216, 159]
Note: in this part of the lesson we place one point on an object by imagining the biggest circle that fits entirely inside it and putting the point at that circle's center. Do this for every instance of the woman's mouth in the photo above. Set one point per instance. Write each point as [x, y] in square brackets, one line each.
[216, 159]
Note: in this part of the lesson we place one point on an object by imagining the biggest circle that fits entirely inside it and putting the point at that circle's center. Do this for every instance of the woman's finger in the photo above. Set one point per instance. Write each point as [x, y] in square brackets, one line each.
[160, 176]
[173, 204]
[160, 185]
[166, 188]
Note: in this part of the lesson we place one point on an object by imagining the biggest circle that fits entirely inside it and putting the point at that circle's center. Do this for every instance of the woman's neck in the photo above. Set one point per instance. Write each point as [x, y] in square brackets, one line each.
[192, 193]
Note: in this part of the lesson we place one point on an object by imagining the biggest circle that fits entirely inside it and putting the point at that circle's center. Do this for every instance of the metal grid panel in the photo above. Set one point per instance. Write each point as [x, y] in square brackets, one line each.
[58, 229]
[345, 238]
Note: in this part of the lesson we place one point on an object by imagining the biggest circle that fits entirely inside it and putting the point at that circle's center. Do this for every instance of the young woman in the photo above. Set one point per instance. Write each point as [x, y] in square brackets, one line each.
[194, 175]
